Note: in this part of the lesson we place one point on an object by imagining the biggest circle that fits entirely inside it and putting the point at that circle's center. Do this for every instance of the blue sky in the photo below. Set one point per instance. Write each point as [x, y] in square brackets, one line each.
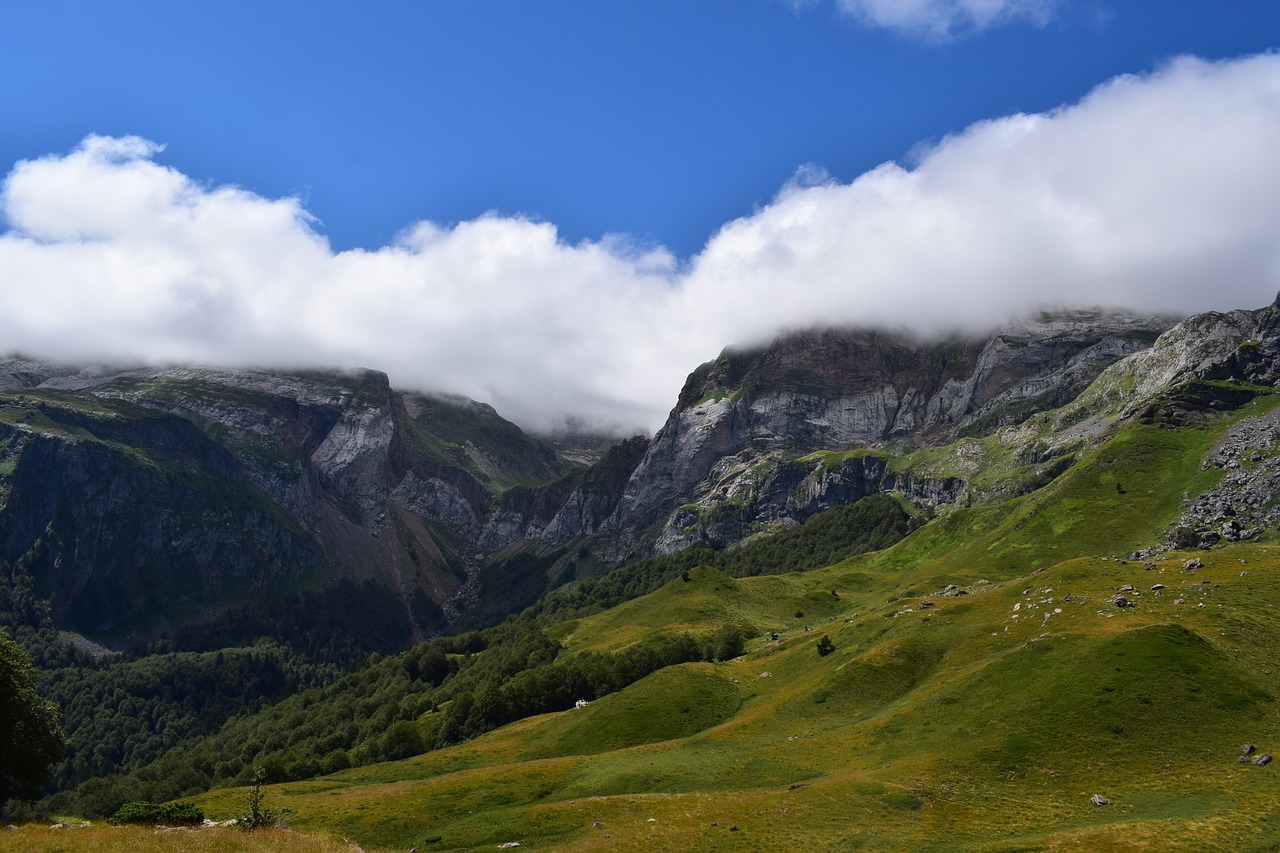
[603, 144]
[661, 119]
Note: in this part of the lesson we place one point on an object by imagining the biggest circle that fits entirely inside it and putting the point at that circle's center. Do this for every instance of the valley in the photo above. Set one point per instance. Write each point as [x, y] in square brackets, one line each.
[1042, 568]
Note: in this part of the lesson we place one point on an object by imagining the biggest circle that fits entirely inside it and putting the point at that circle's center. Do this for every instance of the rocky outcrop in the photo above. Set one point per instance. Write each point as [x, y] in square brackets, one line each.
[1242, 504]
[588, 506]
[124, 490]
[786, 493]
[730, 458]
[1244, 363]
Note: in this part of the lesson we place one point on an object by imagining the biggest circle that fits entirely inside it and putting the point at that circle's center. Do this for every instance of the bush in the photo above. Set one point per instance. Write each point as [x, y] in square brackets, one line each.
[150, 814]
[727, 644]
[825, 646]
[259, 816]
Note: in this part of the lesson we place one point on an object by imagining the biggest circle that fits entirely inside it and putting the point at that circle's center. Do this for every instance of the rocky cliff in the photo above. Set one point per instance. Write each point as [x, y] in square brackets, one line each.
[735, 456]
[130, 493]
[124, 493]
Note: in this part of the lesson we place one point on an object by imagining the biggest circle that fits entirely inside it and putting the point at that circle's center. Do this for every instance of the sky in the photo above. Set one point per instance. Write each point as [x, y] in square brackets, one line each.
[561, 208]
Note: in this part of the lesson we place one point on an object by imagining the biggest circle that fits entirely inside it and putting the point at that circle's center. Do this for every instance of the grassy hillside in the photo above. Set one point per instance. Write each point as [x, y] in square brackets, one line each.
[974, 724]
[983, 687]
[164, 840]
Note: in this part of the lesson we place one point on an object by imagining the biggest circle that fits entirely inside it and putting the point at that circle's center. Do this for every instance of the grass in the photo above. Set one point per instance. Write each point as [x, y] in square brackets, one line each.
[673, 703]
[39, 838]
[983, 722]
[702, 604]
[942, 721]
[952, 727]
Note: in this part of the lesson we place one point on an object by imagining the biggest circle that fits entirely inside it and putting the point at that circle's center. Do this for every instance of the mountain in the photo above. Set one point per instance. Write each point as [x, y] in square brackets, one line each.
[747, 448]
[737, 453]
[1076, 656]
[259, 485]
[1070, 599]
[141, 500]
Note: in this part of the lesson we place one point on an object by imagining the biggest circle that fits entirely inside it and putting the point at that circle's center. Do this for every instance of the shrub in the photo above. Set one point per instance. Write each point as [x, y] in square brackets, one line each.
[149, 814]
[727, 644]
[259, 816]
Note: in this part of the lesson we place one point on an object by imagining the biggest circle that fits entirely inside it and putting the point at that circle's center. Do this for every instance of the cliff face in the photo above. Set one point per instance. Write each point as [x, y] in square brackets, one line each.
[128, 493]
[147, 513]
[728, 459]
[123, 492]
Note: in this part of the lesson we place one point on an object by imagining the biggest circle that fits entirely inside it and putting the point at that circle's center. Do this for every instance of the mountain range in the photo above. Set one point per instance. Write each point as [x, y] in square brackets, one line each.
[142, 500]
[1068, 593]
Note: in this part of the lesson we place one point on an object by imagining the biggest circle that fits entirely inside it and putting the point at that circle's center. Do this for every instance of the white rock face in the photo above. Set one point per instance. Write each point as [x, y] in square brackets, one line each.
[354, 454]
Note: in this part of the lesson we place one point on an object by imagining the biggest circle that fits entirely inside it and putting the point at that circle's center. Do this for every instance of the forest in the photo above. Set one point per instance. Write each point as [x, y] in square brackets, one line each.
[185, 715]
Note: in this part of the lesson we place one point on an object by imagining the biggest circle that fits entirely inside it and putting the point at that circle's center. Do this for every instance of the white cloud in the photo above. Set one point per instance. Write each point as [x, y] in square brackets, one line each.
[1159, 192]
[937, 20]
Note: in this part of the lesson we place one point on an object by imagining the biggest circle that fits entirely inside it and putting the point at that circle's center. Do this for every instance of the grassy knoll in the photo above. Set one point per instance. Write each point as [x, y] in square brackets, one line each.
[699, 605]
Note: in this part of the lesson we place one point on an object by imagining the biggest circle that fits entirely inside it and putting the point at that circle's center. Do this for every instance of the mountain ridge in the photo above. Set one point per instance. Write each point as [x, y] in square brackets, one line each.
[427, 494]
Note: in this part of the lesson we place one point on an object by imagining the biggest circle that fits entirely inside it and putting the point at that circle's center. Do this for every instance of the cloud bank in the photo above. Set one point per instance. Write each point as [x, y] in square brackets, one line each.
[1159, 192]
[940, 20]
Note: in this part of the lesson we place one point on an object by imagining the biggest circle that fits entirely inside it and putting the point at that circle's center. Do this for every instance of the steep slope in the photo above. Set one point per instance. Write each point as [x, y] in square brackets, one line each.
[117, 511]
[724, 464]
[768, 437]
[127, 493]
[454, 510]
